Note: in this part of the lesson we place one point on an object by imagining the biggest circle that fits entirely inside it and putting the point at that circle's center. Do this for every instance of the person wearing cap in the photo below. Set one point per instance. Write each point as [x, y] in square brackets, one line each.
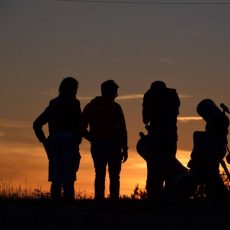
[160, 109]
[104, 126]
[64, 118]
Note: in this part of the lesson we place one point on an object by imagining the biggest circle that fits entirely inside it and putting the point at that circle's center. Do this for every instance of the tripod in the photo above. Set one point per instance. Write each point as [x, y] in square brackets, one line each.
[223, 164]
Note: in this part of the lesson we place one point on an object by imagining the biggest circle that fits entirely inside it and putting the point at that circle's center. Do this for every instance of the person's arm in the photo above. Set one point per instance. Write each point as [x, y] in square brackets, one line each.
[177, 100]
[79, 123]
[124, 136]
[85, 123]
[145, 110]
[38, 124]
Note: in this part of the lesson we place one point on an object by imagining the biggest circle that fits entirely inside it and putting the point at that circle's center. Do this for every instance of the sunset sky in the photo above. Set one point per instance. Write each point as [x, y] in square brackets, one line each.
[42, 41]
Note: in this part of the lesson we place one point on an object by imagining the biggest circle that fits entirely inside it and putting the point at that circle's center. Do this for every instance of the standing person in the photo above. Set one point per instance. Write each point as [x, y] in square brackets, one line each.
[108, 137]
[160, 110]
[63, 116]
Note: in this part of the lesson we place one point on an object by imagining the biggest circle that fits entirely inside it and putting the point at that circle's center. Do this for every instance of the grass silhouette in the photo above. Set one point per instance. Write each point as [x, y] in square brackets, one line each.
[26, 208]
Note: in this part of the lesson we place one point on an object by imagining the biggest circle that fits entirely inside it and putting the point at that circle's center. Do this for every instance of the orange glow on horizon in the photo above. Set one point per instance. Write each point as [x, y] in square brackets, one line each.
[26, 166]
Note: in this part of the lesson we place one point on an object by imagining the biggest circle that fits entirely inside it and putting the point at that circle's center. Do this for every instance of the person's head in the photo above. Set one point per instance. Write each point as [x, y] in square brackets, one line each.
[158, 85]
[68, 87]
[109, 89]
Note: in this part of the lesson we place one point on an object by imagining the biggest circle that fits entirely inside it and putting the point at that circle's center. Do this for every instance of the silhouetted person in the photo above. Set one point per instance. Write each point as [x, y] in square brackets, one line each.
[104, 126]
[63, 116]
[160, 110]
[210, 148]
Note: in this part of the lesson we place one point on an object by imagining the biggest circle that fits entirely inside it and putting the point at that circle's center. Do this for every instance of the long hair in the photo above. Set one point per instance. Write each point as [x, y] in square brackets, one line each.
[68, 86]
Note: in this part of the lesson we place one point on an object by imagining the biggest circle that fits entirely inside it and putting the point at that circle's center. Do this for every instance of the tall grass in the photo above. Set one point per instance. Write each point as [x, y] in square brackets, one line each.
[10, 191]
[16, 192]
[19, 192]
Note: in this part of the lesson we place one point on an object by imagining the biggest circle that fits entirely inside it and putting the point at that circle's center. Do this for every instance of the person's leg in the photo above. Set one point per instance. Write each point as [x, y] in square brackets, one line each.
[69, 190]
[55, 168]
[100, 173]
[154, 182]
[168, 163]
[55, 191]
[70, 164]
[114, 165]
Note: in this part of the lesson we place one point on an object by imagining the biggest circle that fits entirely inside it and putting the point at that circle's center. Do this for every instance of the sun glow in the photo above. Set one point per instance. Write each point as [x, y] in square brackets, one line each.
[27, 165]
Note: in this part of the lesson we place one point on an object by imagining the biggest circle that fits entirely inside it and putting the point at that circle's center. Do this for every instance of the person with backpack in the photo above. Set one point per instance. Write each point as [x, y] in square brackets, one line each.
[160, 109]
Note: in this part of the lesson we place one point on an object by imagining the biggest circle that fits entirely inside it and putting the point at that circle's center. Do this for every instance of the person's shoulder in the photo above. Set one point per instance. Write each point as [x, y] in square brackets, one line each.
[91, 103]
[77, 101]
[117, 105]
[148, 95]
[148, 92]
[95, 101]
[88, 105]
[172, 91]
[174, 97]
[54, 101]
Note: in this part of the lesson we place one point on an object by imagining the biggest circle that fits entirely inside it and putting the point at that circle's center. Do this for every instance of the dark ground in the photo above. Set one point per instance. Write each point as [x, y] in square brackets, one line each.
[124, 214]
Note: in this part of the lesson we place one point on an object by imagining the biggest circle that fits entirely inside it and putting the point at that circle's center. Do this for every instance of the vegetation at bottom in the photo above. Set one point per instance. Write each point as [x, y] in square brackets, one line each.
[8, 191]
[22, 192]
[27, 208]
